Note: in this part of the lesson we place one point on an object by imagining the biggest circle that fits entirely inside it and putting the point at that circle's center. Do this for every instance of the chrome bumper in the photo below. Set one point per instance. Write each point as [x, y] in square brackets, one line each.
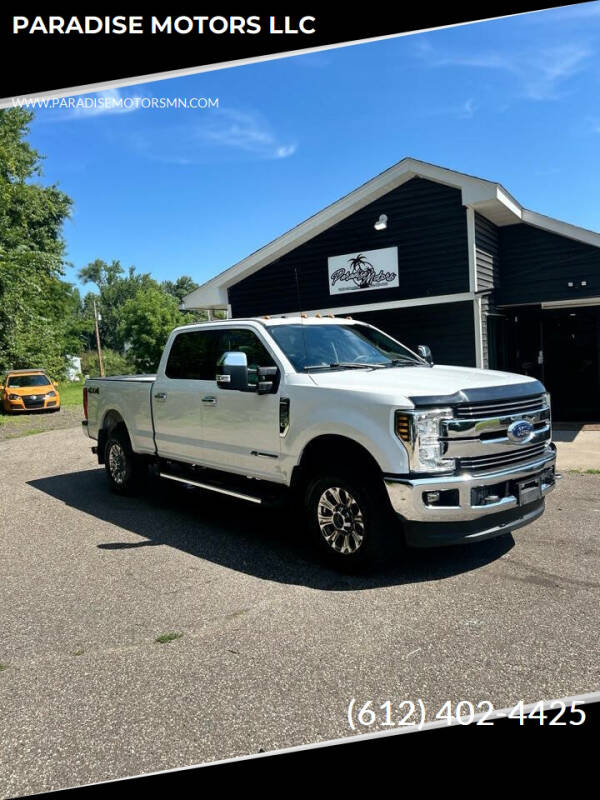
[407, 495]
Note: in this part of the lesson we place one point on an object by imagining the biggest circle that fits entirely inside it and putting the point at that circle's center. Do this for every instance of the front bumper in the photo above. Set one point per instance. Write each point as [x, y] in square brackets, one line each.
[474, 498]
[21, 405]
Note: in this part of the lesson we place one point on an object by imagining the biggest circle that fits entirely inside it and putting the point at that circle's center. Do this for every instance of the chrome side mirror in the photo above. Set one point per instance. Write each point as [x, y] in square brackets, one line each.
[232, 371]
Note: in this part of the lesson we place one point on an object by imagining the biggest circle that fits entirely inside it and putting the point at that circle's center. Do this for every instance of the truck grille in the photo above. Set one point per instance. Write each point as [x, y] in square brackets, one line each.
[500, 408]
[501, 460]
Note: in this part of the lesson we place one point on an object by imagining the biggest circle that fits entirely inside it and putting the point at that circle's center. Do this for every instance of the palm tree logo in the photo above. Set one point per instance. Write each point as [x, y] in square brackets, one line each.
[361, 271]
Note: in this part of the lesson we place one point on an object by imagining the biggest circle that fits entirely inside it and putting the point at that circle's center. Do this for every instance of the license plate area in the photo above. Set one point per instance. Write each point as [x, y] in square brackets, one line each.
[530, 490]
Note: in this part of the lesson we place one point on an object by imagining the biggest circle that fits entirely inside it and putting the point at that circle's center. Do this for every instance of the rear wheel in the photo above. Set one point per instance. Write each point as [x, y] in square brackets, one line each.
[123, 466]
[349, 520]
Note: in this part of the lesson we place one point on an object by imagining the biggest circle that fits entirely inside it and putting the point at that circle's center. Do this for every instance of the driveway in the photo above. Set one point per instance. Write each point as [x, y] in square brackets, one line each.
[273, 646]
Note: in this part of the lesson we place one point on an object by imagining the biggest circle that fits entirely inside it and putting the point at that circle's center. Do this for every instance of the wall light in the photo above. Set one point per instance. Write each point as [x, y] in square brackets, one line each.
[381, 223]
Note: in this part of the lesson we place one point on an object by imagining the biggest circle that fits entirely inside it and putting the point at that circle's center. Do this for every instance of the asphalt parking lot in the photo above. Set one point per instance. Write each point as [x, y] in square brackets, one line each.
[273, 644]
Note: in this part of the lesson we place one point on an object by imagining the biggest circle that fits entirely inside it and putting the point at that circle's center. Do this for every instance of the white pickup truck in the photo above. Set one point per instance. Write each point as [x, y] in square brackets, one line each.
[341, 416]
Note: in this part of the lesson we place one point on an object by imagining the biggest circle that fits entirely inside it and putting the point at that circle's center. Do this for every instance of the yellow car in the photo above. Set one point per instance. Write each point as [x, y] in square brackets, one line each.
[29, 390]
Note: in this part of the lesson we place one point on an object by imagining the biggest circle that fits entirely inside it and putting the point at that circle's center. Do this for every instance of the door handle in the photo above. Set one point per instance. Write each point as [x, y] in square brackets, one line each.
[160, 396]
[209, 400]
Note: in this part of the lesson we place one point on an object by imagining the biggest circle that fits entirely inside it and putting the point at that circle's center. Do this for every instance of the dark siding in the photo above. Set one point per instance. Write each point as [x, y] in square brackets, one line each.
[427, 222]
[448, 329]
[487, 249]
[537, 266]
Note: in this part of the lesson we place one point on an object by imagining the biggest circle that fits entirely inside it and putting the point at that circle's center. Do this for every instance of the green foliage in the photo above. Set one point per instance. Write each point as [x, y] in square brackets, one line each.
[114, 363]
[43, 318]
[115, 288]
[33, 299]
[179, 288]
[146, 321]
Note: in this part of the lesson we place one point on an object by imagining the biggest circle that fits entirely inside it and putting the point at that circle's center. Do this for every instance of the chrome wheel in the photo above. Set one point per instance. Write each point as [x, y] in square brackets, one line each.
[117, 463]
[340, 520]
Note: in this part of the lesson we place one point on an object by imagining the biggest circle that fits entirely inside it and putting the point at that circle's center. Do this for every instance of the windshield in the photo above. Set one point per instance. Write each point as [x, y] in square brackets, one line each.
[314, 347]
[23, 381]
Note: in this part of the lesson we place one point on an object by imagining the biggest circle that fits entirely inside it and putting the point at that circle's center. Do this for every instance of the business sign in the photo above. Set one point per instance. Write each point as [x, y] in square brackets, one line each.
[361, 272]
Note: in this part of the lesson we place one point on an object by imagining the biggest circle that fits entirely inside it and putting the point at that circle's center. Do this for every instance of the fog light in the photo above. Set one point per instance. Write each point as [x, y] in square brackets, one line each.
[448, 498]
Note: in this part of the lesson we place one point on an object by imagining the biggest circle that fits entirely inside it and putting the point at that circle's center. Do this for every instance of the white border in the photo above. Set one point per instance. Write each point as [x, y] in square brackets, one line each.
[7, 102]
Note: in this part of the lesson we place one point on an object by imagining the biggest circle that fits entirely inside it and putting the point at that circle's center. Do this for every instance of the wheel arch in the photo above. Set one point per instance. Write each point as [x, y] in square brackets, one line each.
[328, 451]
[111, 422]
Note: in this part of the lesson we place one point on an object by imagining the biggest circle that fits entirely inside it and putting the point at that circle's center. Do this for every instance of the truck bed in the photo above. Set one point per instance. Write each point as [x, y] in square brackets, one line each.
[129, 396]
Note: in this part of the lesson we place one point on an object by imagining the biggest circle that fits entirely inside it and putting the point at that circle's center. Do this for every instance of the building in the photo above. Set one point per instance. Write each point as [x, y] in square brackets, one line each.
[437, 257]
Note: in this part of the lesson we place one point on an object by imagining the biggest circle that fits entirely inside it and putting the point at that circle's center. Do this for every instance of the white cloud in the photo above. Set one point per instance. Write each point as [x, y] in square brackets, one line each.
[540, 73]
[468, 108]
[224, 131]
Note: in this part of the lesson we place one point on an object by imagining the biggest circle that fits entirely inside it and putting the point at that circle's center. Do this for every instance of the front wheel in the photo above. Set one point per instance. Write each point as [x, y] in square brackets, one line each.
[123, 467]
[348, 520]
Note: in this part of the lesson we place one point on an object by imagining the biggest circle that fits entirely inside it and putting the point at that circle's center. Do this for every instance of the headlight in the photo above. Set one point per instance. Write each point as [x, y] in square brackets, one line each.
[14, 396]
[51, 394]
[421, 432]
[547, 400]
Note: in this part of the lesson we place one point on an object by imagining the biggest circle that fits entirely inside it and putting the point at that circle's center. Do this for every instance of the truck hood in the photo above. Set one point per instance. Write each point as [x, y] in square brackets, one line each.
[437, 381]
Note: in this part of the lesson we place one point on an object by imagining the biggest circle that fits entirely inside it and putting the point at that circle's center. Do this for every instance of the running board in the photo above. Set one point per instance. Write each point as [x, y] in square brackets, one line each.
[211, 488]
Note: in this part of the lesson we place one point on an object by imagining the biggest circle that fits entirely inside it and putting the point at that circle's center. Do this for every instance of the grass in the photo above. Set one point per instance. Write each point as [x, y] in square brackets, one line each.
[71, 394]
[168, 637]
[584, 471]
[3, 666]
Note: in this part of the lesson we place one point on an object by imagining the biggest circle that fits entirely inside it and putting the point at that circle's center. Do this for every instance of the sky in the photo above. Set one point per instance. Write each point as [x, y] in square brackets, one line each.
[192, 191]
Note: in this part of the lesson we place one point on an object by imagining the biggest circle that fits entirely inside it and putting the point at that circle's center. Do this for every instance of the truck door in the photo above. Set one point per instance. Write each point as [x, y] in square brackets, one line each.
[241, 429]
[177, 395]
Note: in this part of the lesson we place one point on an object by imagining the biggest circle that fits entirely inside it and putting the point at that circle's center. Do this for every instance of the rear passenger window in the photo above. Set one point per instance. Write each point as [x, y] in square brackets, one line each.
[193, 356]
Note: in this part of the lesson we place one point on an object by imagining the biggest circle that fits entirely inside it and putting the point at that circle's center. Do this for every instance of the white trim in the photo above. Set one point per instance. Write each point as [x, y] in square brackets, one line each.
[472, 249]
[509, 201]
[583, 301]
[478, 323]
[459, 297]
[561, 228]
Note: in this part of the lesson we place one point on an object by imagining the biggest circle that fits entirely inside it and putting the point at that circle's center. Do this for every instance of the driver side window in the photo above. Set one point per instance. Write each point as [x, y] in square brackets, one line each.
[246, 341]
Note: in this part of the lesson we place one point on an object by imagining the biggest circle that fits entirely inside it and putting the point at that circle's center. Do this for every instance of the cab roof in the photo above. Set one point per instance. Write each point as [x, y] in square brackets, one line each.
[268, 321]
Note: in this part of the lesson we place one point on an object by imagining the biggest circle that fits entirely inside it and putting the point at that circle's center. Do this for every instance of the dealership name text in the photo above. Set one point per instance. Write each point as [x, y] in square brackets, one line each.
[165, 25]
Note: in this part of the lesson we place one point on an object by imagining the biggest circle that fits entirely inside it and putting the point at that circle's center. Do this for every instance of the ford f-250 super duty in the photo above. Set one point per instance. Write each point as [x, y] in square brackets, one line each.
[354, 423]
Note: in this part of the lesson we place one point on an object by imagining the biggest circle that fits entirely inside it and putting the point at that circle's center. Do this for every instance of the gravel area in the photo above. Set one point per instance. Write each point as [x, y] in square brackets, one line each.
[28, 423]
[273, 645]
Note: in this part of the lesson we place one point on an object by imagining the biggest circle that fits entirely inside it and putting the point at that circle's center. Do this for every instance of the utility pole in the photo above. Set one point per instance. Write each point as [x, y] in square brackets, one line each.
[98, 341]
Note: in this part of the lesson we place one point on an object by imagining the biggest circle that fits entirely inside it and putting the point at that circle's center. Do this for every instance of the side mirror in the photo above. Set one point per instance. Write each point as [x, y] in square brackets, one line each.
[232, 372]
[267, 380]
[425, 352]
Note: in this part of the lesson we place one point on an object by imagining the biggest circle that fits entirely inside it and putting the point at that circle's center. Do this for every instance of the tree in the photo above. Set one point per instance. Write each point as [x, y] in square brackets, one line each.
[146, 322]
[180, 288]
[115, 288]
[32, 296]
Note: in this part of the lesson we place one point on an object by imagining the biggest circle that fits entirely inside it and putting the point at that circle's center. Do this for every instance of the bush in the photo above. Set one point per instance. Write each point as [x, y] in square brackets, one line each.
[114, 363]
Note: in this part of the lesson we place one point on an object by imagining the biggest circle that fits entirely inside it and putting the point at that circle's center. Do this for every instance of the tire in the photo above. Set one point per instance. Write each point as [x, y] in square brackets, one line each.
[124, 468]
[350, 521]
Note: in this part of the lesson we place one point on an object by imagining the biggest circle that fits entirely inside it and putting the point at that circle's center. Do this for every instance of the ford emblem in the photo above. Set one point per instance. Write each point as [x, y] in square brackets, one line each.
[520, 431]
